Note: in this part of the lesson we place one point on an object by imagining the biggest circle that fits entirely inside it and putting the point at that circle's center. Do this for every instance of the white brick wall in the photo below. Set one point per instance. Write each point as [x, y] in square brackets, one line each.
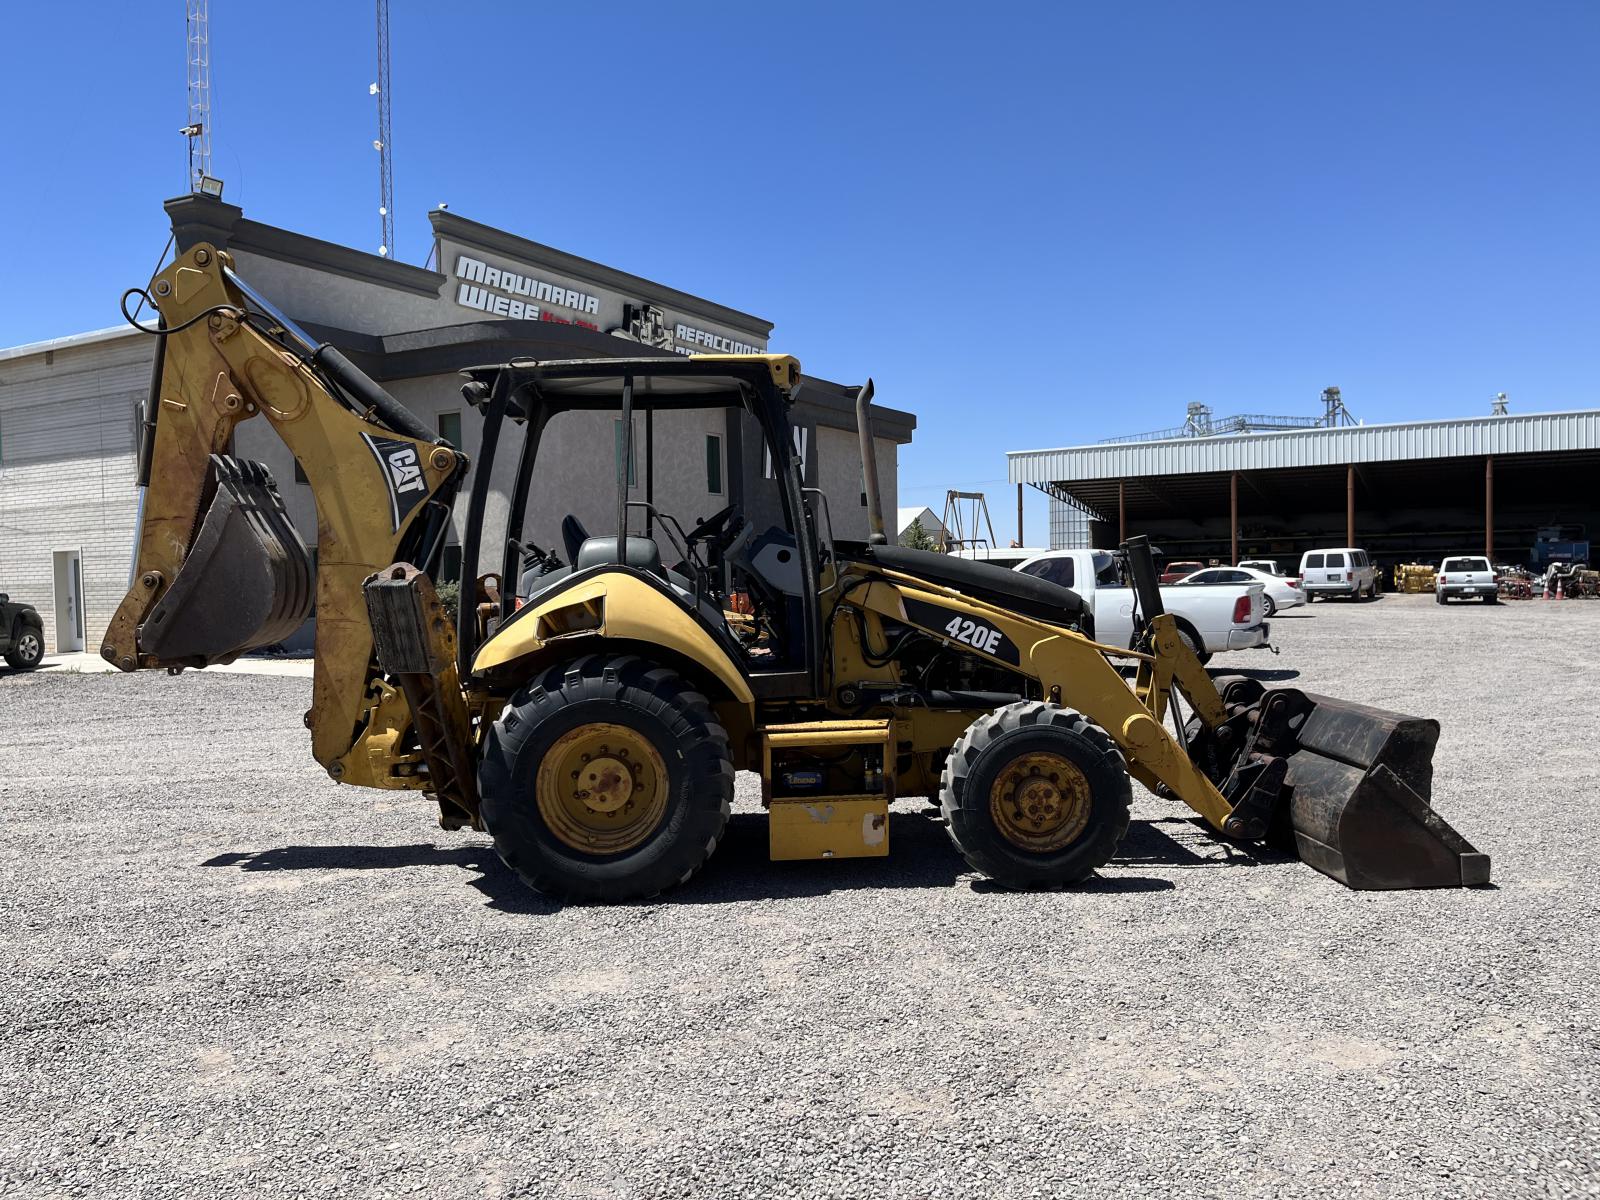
[67, 473]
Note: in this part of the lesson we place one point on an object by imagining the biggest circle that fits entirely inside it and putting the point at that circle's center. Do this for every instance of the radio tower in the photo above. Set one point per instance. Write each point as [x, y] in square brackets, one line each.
[199, 56]
[381, 145]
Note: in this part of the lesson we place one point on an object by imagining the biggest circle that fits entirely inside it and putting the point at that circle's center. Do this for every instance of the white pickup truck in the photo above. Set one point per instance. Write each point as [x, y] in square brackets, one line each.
[1229, 616]
[1464, 577]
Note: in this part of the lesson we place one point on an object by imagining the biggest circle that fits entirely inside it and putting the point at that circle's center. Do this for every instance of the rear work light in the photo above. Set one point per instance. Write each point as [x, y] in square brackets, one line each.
[1241, 610]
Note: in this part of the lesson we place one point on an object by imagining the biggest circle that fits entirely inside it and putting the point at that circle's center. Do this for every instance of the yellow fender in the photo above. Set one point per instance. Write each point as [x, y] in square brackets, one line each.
[612, 606]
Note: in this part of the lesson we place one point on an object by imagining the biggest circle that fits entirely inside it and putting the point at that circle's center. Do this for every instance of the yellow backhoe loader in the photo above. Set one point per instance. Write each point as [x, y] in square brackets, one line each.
[590, 712]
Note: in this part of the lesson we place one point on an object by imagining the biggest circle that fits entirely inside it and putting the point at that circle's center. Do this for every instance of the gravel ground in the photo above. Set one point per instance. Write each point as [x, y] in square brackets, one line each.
[224, 975]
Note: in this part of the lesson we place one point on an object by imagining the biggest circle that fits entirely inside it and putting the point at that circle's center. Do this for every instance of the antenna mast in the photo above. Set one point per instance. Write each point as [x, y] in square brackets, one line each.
[381, 145]
[198, 21]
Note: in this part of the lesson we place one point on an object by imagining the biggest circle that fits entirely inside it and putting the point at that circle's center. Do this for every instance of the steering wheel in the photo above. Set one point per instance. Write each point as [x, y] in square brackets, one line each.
[711, 526]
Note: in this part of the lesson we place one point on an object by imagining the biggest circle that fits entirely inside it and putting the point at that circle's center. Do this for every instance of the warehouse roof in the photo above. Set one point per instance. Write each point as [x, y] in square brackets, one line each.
[1522, 433]
[67, 342]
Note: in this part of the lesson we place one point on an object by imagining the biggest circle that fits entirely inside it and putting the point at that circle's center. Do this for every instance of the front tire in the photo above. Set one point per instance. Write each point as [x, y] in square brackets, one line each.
[606, 779]
[1034, 796]
[28, 650]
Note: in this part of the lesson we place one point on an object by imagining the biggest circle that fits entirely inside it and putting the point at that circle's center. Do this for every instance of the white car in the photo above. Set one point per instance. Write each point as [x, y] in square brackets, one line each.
[1279, 591]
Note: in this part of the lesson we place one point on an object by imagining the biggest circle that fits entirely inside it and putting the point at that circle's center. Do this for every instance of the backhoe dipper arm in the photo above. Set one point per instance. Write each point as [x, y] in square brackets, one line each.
[218, 567]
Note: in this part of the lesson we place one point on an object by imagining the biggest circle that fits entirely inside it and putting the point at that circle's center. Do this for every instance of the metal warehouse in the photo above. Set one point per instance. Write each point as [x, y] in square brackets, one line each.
[68, 502]
[1403, 491]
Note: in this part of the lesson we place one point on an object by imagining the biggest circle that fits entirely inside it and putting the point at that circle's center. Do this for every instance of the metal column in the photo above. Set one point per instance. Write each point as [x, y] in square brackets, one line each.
[1488, 509]
[1233, 518]
[1122, 512]
[1350, 505]
[1020, 540]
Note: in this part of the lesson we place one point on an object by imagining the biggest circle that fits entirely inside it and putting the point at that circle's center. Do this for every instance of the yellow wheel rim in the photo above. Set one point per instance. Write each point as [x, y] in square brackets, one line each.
[602, 788]
[1040, 802]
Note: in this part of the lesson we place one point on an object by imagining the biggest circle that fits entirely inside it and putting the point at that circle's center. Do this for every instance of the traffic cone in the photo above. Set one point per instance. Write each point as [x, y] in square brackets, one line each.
[1559, 596]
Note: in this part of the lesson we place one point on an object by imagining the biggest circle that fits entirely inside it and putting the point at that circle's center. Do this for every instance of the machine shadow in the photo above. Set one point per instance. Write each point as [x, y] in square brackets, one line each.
[1147, 843]
[921, 856]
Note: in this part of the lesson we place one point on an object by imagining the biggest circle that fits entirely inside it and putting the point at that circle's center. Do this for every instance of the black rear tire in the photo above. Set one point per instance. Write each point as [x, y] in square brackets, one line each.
[653, 706]
[991, 746]
[28, 650]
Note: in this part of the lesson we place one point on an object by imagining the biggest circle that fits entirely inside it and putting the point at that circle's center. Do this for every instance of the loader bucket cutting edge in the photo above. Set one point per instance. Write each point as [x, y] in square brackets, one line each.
[1357, 795]
[246, 581]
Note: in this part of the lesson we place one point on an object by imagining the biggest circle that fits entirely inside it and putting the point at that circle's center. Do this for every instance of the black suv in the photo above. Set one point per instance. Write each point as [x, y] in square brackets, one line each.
[21, 634]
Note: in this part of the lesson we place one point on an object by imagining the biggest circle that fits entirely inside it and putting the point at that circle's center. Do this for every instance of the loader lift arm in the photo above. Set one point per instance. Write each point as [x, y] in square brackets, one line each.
[218, 567]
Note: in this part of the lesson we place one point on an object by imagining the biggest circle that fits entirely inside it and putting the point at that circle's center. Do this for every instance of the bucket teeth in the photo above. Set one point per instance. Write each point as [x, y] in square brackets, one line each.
[246, 581]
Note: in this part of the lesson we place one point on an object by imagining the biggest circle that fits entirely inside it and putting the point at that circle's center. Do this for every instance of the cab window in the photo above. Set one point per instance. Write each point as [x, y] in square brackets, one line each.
[1051, 570]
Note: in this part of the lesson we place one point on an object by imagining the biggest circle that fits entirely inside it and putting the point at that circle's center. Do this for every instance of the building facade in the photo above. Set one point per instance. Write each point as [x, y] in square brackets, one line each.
[68, 501]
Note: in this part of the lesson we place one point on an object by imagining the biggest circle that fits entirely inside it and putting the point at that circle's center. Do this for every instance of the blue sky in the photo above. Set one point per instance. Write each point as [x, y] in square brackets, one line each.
[1033, 225]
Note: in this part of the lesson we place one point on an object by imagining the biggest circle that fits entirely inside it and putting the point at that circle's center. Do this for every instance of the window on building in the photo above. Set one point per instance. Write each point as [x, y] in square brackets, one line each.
[450, 428]
[633, 454]
[713, 464]
[450, 562]
[300, 473]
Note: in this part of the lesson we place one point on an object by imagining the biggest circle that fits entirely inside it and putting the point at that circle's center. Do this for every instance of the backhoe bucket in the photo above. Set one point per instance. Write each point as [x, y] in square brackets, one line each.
[246, 581]
[1357, 789]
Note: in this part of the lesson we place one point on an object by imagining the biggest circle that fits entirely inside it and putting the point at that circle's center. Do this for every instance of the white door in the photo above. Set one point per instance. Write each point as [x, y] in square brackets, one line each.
[69, 601]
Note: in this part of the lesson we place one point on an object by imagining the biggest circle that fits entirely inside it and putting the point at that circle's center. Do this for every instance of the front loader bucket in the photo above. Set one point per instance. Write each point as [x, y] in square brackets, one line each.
[1357, 790]
[246, 581]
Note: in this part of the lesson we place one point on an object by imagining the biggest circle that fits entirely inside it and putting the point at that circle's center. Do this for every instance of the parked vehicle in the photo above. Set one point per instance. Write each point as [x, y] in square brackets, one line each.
[1210, 618]
[1009, 557]
[1269, 565]
[1177, 570]
[1278, 591]
[1339, 571]
[21, 634]
[1464, 578]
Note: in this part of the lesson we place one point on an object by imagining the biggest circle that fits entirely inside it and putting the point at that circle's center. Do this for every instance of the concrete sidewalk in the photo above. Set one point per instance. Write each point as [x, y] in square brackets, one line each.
[89, 664]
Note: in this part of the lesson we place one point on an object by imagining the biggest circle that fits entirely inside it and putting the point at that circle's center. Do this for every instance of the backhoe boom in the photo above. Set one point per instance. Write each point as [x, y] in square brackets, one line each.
[214, 535]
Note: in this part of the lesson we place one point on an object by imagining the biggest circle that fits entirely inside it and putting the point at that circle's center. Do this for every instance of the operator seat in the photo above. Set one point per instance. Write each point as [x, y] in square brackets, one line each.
[642, 553]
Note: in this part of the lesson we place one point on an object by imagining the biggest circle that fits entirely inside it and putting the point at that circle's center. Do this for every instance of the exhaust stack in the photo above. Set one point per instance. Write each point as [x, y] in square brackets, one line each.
[869, 466]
